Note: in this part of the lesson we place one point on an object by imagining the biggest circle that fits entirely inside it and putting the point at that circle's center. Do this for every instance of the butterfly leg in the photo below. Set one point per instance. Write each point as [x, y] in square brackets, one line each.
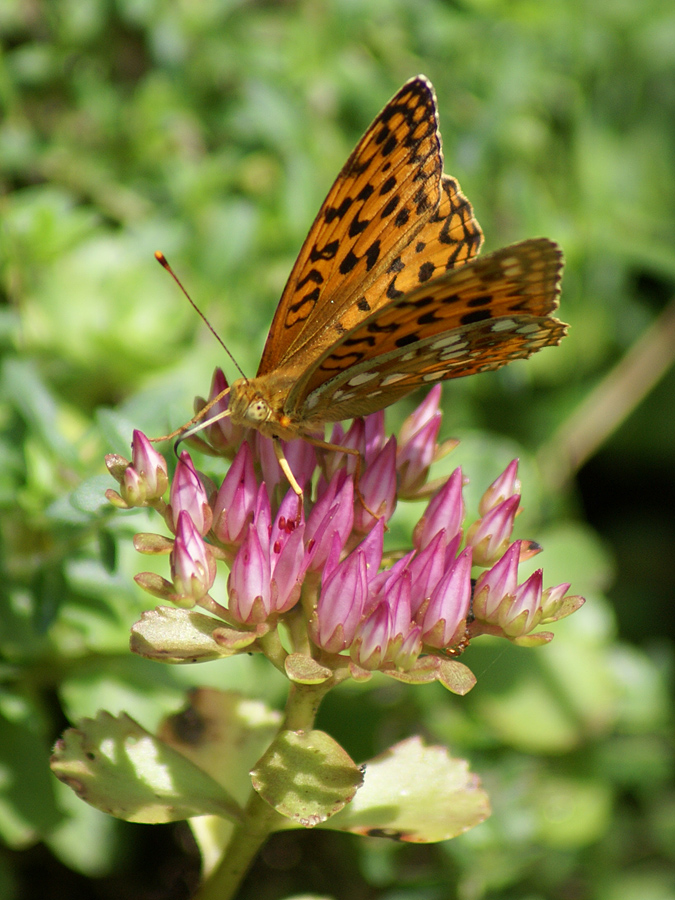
[337, 448]
[286, 469]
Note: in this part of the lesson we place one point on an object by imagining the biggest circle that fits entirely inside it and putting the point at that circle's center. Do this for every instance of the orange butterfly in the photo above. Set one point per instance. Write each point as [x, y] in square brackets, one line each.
[386, 295]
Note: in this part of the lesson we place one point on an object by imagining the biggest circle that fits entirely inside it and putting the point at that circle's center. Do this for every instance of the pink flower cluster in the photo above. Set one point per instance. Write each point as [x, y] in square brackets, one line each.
[326, 558]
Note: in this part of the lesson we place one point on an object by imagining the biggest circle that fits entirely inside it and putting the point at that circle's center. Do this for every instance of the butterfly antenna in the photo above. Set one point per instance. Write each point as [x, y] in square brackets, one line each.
[162, 260]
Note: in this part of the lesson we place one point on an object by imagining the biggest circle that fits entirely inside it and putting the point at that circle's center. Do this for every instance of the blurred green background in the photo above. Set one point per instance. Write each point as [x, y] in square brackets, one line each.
[212, 129]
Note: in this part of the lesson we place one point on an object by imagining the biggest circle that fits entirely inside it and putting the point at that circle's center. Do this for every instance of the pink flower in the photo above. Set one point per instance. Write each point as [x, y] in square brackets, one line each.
[249, 586]
[427, 569]
[374, 435]
[332, 513]
[503, 487]
[449, 603]
[496, 584]
[193, 569]
[235, 501]
[525, 611]
[287, 555]
[445, 511]
[150, 466]
[370, 647]
[188, 494]
[490, 535]
[372, 546]
[377, 489]
[340, 605]
[396, 594]
[417, 442]
[222, 434]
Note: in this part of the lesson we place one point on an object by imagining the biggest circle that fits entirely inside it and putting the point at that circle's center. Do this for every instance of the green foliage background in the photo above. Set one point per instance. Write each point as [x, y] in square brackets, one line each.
[212, 129]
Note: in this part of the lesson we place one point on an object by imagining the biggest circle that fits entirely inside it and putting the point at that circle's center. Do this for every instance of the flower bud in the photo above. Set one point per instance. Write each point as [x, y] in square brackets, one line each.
[332, 513]
[150, 465]
[556, 603]
[396, 594]
[410, 649]
[193, 568]
[223, 435]
[444, 511]
[417, 442]
[490, 535]
[427, 569]
[340, 605]
[503, 487]
[524, 612]
[498, 583]
[288, 562]
[132, 488]
[374, 435]
[449, 604]
[371, 645]
[235, 501]
[377, 489]
[187, 493]
[248, 585]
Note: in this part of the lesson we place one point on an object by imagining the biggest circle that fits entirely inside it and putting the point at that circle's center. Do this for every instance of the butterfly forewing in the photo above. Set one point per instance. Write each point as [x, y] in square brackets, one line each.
[451, 238]
[386, 192]
[472, 319]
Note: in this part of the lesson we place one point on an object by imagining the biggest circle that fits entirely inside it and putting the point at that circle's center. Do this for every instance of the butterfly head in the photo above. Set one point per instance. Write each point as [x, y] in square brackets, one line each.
[252, 404]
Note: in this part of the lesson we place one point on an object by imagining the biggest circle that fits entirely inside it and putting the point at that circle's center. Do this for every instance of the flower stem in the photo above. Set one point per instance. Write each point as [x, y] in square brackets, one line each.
[245, 842]
[260, 819]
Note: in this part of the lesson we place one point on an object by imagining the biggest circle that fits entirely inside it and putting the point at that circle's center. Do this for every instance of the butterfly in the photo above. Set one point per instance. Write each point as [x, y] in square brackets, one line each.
[388, 294]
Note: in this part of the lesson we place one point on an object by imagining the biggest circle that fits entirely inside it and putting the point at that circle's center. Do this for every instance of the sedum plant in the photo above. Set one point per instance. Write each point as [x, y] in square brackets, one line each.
[311, 587]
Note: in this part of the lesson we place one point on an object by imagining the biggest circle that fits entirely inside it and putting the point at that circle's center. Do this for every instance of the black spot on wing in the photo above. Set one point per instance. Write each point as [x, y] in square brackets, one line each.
[348, 263]
[337, 212]
[326, 252]
[407, 339]
[392, 291]
[478, 316]
[402, 217]
[388, 185]
[390, 207]
[313, 276]
[480, 301]
[425, 272]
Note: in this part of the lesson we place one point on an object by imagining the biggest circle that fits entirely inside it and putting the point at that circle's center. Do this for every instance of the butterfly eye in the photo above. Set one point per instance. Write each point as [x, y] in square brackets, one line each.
[258, 411]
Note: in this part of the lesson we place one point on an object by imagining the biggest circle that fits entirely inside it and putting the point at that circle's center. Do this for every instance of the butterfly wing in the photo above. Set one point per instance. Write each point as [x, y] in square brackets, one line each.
[472, 319]
[389, 188]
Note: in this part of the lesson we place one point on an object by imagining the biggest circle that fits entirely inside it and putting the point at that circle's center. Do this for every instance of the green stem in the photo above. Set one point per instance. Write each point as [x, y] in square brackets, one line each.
[260, 819]
[303, 704]
[244, 844]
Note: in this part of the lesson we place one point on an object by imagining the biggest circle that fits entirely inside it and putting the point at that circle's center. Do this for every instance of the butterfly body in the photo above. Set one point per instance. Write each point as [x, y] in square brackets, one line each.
[259, 403]
[388, 293]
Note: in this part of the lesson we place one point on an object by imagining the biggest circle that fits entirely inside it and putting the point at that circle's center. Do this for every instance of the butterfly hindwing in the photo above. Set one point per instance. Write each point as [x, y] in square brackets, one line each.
[476, 318]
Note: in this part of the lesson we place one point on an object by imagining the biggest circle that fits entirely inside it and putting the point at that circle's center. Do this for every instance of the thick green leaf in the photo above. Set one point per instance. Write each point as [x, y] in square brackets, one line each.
[185, 636]
[306, 776]
[415, 793]
[120, 768]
